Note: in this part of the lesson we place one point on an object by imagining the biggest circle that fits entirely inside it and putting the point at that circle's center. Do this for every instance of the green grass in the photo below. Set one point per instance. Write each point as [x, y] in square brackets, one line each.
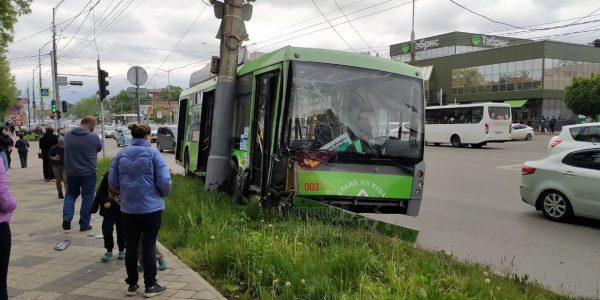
[31, 137]
[250, 254]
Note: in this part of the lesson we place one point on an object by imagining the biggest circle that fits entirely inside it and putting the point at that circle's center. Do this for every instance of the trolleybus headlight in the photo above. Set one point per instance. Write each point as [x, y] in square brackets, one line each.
[420, 184]
[417, 192]
[419, 173]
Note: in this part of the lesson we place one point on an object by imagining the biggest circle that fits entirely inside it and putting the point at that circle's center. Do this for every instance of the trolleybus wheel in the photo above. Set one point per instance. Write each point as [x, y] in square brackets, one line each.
[455, 141]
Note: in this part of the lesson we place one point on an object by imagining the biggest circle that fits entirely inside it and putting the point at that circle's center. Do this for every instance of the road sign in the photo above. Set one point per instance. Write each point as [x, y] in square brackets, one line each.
[141, 91]
[137, 75]
[146, 109]
[45, 91]
[62, 80]
[159, 114]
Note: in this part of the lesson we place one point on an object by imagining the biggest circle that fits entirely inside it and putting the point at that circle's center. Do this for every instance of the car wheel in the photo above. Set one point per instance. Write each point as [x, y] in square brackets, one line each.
[455, 141]
[528, 137]
[555, 206]
[158, 147]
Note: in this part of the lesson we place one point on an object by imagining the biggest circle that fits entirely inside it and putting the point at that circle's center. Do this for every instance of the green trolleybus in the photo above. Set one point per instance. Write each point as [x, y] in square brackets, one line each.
[317, 125]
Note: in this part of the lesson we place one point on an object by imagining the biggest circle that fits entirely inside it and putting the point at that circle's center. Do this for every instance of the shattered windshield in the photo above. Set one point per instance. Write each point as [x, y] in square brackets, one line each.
[352, 110]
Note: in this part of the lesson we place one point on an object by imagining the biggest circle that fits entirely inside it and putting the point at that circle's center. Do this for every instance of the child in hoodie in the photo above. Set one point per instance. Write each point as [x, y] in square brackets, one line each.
[7, 206]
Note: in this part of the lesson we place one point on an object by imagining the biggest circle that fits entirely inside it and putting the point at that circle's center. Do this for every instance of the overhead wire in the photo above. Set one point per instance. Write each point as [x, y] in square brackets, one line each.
[353, 28]
[178, 42]
[332, 27]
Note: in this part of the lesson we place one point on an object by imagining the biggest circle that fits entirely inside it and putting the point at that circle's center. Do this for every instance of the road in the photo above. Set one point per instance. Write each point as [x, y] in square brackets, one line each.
[472, 208]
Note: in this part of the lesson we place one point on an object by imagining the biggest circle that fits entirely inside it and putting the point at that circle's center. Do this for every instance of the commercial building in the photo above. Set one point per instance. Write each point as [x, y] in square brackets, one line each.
[530, 75]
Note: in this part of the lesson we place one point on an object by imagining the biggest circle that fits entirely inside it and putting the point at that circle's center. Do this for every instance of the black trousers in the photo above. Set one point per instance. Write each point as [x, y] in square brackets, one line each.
[8, 157]
[47, 167]
[147, 227]
[5, 242]
[113, 218]
[23, 158]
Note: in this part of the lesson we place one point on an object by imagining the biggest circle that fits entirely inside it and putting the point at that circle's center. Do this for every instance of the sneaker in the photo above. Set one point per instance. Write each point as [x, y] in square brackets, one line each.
[66, 225]
[121, 255]
[132, 289]
[154, 290]
[86, 228]
[106, 257]
[162, 264]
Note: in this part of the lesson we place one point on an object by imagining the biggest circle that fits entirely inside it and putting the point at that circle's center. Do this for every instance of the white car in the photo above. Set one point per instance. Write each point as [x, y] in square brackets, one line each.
[521, 132]
[575, 136]
[565, 184]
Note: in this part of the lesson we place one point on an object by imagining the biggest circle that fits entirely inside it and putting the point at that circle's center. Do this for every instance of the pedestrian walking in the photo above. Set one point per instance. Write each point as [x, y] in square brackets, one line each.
[81, 163]
[57, 158]
[4, 147]
[141, 177]
[107, 203]
[12, 129]
[22, 146]
[543, 125]
[7, 206]
[11, 144]
[552, 124]
[46, 142]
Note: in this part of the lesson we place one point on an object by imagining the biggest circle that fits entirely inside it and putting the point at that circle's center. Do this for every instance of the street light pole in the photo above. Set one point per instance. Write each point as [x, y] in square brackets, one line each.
[33, 97]
[40, 82]
[412, 35]
[55, 70]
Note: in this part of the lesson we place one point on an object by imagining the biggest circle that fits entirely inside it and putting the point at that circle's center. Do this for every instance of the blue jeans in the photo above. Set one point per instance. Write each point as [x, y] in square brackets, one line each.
[84, 186]
[4, 160]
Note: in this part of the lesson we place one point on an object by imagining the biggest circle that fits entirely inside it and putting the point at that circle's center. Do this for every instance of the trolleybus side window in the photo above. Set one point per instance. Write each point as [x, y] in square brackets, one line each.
[242, 112]
[195, 124]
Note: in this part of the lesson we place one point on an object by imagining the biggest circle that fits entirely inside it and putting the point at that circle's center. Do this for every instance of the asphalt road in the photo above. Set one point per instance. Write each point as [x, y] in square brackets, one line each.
[472, 208]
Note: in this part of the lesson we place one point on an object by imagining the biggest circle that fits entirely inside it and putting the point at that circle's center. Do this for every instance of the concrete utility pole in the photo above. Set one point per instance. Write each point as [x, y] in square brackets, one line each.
[55, 70]
[33, 97]
[412, 35]
[232, 33]
[40, 82]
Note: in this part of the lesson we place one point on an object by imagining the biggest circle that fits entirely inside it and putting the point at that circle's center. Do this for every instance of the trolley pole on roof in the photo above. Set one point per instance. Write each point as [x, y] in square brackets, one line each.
[232, 33]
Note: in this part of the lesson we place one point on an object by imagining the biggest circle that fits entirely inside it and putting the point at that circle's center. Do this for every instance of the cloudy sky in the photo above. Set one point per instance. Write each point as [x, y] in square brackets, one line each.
[143, 32]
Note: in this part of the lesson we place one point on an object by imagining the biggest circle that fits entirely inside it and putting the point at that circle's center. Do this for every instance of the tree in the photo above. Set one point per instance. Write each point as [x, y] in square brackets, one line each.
[122, 103]
[172, 95]
[10, 10]
[583, 96]
[8, 90]
[85, 107]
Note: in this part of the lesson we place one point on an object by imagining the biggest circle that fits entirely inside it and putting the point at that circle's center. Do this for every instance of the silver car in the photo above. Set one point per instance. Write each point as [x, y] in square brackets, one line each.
[565, 184]
[167, 138]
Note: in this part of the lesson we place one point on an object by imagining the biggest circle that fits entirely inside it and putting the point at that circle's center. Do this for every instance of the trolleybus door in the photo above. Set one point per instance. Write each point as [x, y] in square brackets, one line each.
[205, 129]
[264, 114]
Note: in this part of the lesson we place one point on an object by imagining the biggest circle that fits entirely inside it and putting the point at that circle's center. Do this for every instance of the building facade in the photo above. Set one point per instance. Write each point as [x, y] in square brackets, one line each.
[530, 75]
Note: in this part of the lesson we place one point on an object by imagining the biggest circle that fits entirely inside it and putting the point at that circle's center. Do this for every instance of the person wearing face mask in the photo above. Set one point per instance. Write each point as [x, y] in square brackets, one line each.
[81, 152]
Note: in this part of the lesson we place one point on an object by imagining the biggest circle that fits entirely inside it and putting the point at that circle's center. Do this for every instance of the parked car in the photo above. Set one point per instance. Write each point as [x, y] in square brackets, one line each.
[154, 132]
[575, 136]
[166, 138]
[521, 132]
[123, 137]
[565, 184]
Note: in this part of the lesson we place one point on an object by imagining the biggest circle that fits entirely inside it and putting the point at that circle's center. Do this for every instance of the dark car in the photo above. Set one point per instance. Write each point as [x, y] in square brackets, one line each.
[166, 138]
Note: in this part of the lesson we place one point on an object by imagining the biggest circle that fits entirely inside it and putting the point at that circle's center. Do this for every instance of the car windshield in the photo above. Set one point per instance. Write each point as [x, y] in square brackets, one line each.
[353, 110]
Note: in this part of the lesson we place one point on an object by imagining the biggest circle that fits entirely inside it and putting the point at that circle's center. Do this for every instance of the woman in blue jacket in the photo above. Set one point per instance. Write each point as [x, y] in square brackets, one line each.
[141, 177]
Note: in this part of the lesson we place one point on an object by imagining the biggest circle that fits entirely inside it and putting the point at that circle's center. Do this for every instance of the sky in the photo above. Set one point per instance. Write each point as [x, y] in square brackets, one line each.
[171, 39]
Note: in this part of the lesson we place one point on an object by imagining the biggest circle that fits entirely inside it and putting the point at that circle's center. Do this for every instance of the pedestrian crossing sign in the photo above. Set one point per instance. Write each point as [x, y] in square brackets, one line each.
[45, 92]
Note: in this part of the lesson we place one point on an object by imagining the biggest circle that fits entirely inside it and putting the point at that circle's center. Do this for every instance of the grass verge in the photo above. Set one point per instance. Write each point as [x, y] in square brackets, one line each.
[250, 254]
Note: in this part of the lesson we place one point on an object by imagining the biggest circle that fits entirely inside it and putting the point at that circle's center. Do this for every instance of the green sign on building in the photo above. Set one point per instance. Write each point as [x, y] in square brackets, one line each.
[476, 40]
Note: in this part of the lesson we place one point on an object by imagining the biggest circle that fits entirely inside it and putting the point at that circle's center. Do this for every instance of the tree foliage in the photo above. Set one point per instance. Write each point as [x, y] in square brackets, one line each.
[10, 10]
[172, 94]
[85, 107]
[122, 104]
[8, 90]
[583, 95]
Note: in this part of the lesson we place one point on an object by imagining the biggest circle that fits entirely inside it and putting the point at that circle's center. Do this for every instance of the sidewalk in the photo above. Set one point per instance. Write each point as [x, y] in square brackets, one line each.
[37, 271]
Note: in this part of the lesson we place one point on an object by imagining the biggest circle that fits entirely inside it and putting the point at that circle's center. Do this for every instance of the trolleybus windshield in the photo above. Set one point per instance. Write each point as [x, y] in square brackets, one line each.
[350, 110]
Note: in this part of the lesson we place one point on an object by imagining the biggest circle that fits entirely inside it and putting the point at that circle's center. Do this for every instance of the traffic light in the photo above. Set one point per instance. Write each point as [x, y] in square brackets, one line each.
[64, 106]
[53, 105]
[102, 84]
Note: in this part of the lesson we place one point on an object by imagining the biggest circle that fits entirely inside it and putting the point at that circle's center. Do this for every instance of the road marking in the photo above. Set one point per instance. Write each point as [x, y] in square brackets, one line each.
[510, 167]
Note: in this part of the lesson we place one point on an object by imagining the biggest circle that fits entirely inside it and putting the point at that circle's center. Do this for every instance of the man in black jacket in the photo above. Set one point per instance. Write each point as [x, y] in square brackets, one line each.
[46, 142]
